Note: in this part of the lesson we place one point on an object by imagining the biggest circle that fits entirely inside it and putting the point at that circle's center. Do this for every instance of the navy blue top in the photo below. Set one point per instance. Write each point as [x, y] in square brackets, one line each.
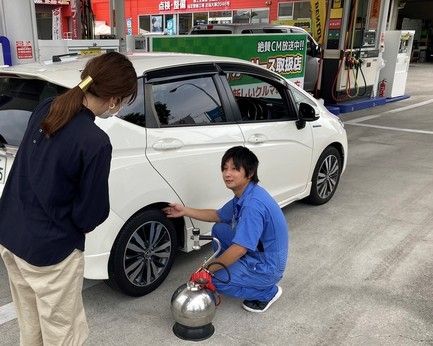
[261, 228]
[57, 189]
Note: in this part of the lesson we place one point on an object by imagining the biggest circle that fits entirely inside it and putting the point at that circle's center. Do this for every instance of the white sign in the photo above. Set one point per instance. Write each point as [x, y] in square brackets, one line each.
[24, 49]
[57, 24]
[129, 25]
[52, 2]
[167, 5]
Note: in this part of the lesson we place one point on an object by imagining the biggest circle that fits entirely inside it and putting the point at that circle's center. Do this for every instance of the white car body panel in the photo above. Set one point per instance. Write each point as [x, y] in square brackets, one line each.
[98, 246]
[326, 130]
[7, 157]
[281, 137]
[198, 151]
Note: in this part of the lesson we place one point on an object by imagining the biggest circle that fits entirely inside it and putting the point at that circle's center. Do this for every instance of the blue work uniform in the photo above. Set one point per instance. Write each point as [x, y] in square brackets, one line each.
[255, 222]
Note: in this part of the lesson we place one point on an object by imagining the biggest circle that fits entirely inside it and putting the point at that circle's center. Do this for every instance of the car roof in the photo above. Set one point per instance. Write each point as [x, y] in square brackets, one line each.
[67, 73]
[241, 26]
[237, 28]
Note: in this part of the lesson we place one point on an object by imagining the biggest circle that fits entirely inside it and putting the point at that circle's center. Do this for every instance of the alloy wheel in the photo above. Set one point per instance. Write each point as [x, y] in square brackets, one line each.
[327, 178]
[147, 253]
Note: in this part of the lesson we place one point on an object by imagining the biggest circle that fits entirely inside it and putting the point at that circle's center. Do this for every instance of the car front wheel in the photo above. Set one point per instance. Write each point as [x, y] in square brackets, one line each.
[326, 176]
[142, 254]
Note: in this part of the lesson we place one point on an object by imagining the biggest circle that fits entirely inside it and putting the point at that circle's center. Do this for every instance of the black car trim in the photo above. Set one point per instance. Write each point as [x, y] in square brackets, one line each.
[179, 72]
[251, 70]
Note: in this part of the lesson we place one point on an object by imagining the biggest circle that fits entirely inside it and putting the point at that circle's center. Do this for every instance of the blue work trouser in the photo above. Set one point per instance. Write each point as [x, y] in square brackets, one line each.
[244, 282]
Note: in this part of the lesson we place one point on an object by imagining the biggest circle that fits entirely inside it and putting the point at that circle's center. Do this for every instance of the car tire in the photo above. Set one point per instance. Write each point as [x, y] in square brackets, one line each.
[142, 254]
[326, 176]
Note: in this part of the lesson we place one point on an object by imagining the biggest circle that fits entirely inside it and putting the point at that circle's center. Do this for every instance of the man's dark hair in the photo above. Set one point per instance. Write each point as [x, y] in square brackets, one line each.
[245, 158]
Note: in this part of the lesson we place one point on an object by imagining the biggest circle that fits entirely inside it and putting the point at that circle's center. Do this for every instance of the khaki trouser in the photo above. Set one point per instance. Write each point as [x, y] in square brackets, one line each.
[48, 300]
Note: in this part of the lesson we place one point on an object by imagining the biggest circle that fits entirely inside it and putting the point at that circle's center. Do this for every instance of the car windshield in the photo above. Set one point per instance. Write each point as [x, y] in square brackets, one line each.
[18, 98]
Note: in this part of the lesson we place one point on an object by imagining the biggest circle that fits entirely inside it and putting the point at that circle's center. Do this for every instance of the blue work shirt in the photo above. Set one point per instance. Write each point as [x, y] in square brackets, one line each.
[261, 228]
[57, 189]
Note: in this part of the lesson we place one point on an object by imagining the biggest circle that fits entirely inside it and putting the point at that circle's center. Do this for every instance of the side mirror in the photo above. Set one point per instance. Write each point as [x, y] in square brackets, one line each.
[313, 49]
[306, 113]
[316, 50]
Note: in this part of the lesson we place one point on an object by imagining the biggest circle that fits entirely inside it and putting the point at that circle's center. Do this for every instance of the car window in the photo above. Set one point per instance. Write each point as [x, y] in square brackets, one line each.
[134, 113]
[259, 99]
[18, 98]
[300, 97]
[193, 101]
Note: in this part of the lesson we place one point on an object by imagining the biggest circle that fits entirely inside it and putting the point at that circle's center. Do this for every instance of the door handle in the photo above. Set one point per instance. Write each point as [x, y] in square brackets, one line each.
[257, 138]
[168, 144]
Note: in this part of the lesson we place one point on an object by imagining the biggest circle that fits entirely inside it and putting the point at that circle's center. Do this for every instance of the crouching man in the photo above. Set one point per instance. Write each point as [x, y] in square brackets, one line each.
[253, 234]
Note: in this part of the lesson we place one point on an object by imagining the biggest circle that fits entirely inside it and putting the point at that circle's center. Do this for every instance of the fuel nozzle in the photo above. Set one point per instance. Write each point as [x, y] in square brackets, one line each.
[196, 238]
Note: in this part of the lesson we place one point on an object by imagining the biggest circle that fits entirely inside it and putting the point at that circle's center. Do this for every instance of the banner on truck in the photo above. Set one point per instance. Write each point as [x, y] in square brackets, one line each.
[281, 53]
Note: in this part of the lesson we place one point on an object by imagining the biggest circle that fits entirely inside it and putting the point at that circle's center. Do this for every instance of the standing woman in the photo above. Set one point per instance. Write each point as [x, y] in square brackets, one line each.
[57, 191]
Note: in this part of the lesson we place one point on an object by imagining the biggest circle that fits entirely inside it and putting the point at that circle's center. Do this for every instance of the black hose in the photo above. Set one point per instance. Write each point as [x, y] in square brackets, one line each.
[334, 92]
[224, 267]
[365, 82]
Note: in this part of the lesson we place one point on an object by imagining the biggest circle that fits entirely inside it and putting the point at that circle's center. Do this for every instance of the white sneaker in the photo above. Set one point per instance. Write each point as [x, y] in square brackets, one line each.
[261, 306]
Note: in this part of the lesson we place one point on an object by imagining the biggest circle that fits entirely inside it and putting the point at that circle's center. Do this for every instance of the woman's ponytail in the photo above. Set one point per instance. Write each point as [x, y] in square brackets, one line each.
[62, 110]
[108, 75]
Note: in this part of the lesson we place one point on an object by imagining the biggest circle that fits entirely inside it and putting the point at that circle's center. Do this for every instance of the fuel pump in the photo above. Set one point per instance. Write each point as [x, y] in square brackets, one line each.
[351, 58]
[398, 48]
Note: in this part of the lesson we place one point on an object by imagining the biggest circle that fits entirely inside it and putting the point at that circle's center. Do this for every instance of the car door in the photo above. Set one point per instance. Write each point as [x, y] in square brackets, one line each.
[193, 127]
[268, 123]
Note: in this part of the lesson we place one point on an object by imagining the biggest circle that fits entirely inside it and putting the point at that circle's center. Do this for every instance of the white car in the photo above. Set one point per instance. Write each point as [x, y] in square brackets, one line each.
[168, 144]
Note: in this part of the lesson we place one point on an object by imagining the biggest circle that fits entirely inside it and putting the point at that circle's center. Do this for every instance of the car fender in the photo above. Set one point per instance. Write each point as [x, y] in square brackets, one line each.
[133, 183]
[125, 202]
[327, 130]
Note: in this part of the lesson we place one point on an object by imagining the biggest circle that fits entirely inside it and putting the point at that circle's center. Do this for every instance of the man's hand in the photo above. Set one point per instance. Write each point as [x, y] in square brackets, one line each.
[178, 210]
[174, 210]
